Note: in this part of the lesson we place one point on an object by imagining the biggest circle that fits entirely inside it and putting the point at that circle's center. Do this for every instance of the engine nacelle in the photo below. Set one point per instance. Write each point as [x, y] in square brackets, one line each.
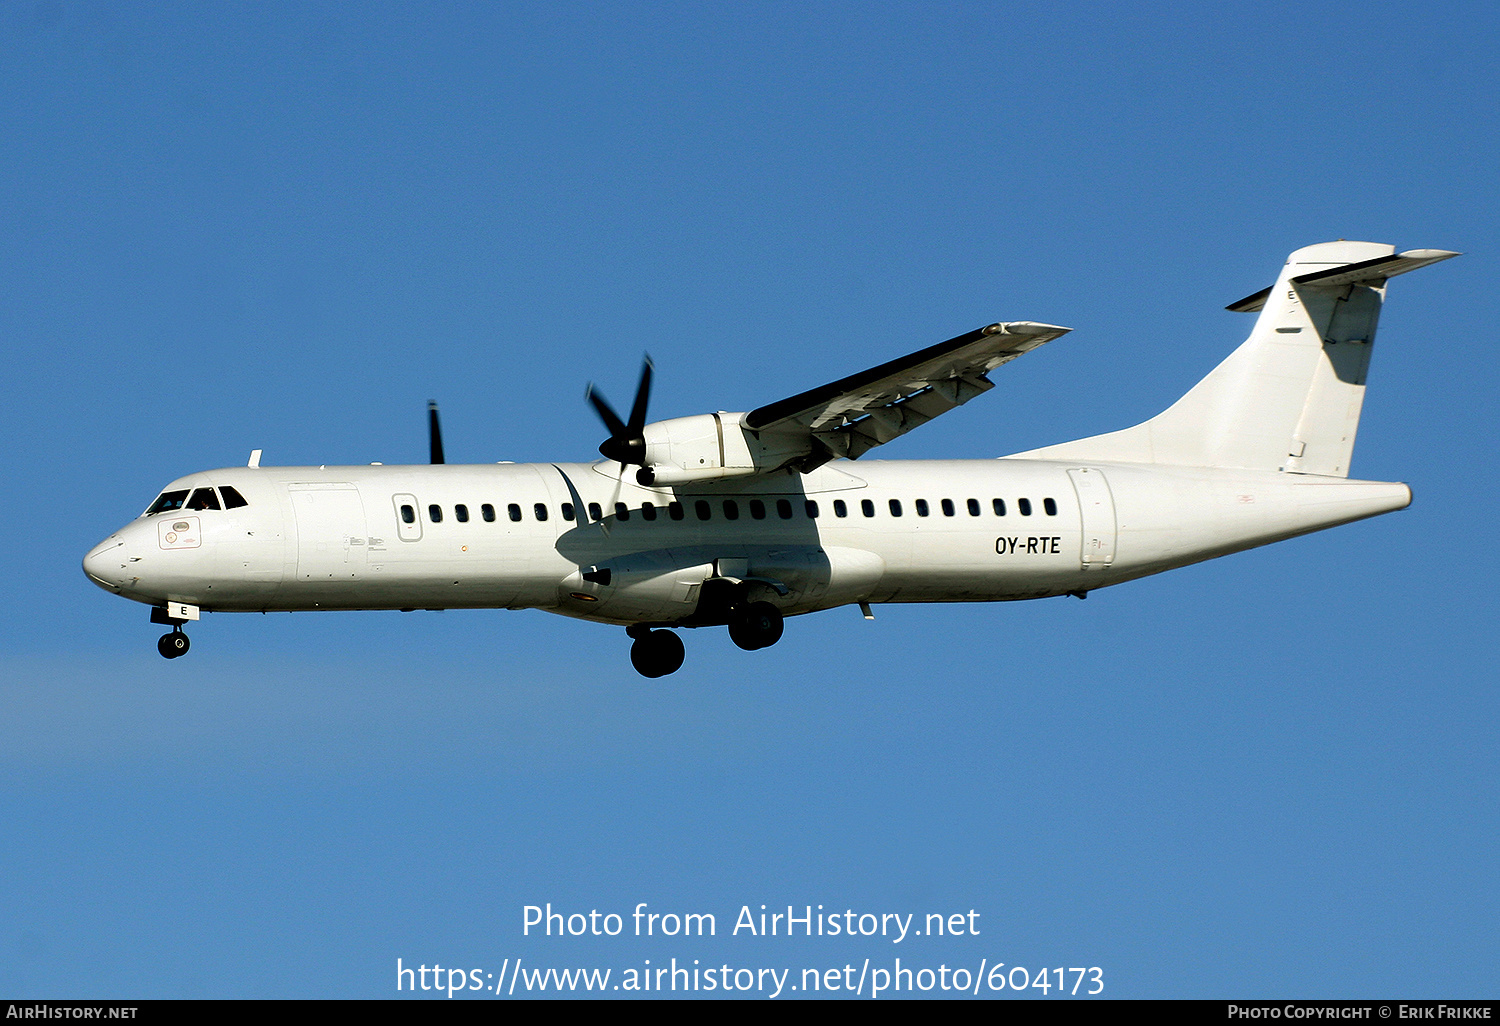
[707, 447]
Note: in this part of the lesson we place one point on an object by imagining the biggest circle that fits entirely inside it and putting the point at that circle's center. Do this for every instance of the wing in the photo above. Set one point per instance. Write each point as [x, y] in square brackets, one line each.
[851, 416]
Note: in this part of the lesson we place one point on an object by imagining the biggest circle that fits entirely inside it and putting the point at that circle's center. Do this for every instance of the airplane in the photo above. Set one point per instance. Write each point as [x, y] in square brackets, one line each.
[740, 520]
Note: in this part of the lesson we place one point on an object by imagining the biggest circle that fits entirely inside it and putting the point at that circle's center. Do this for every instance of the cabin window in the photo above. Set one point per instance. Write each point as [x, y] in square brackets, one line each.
[514, 512]
[435, 513]
[1024, 506]
[947, 505]
[461, 513]
[922, 509]
[567, 511]
[784, 508]
[1050, 505]
[596, 512]
[488, 512]
[812, 509]
[867, 507]
[168, 501]
[622, 512]
[203, 498]
[840, 509]
[973, 505]
[648, 511]
[757, 509]
[895, 505]
[540, 509]
[408, 515]
[232, 498]
[674, 510]
[731, 510]
[999, 505]
[701, 507]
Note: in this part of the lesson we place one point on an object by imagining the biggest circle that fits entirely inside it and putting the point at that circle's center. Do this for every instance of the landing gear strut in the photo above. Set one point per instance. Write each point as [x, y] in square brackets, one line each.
[655, 653]
[174, 644]
[757, 625]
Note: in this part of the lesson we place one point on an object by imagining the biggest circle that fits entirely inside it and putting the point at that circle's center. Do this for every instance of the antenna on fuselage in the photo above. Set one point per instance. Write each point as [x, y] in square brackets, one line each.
[434, 433]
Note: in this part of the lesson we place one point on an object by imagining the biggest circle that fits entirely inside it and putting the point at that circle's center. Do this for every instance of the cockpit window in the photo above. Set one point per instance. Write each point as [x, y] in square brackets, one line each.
[167, 501]
[203, 498]
[232, 498]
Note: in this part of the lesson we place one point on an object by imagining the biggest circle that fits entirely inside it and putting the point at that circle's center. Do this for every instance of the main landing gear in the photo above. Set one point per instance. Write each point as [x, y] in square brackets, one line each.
[655, 653]
[757, 625]
[174, 644]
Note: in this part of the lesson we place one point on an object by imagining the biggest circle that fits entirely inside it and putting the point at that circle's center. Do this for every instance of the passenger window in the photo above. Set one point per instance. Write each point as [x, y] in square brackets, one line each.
[203, 498]
[921, 505]
[461, 513]
[948, 507]
[488, 512]
[514, 512]
[973, 507]
[999, 505]
[702, 509]
[408, 515]
[731, 510]
[622, 512]
[648, 511]
[540, 509]
[567, 511]
[812, 509]
[1050, 505]
[867, 507]
[1024, 505]
[674, 510]
[757, 509]
[167, 501]
[839, 508]
[435, 513]
[596, 512]
[232, 498]
[784, 508]
[895, 507]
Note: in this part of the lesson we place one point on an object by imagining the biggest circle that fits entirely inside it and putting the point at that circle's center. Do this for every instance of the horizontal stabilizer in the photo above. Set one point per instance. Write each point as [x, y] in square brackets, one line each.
[1363, 271]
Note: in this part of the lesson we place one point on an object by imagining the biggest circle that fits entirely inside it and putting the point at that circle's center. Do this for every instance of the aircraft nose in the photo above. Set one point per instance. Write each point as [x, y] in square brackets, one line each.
[105, 565]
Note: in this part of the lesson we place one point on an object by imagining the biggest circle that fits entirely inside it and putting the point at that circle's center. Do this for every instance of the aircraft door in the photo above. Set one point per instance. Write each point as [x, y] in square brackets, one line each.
[1096, 508]
[331, 532]
[408, 517]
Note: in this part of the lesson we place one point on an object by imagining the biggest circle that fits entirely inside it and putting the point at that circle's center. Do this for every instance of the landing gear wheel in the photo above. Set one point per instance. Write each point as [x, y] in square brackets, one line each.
[657, 654]
[758, 625]
[173, 645]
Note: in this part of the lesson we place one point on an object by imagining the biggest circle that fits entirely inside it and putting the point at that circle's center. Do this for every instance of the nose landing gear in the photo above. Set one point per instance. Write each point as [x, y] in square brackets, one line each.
[174, 644]
[174, 616]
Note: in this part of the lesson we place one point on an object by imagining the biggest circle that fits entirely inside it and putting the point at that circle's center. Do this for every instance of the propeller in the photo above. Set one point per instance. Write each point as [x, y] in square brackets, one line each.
[626, 443]
[434, 433]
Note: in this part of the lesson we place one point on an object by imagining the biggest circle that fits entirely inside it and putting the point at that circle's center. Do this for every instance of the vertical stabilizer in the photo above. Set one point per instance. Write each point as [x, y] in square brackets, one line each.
[1289, 397]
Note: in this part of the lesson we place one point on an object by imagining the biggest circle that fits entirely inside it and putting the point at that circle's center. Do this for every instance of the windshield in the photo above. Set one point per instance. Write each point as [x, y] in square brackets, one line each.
[167, 501]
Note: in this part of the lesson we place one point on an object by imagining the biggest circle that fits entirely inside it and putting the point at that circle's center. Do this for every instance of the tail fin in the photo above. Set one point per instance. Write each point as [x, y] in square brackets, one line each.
[1289, 397]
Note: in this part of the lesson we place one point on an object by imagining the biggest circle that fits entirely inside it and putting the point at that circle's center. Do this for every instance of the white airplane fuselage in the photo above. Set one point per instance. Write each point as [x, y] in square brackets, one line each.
[743, 519]
[325, 538]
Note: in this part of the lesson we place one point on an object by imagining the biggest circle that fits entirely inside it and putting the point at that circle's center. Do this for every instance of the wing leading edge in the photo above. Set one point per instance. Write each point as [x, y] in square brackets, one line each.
[853, 415]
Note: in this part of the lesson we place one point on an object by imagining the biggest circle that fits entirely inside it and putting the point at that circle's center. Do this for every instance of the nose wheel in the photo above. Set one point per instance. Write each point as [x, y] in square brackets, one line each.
[173, 644]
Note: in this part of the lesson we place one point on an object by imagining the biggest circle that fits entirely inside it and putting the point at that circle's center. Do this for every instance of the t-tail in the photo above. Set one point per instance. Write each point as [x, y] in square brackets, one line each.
[1289, 398]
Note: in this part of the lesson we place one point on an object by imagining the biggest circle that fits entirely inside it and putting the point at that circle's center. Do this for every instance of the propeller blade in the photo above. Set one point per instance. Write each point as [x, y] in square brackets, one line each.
[642, 397]
[434, 433]
[606, 413]
[626, 443]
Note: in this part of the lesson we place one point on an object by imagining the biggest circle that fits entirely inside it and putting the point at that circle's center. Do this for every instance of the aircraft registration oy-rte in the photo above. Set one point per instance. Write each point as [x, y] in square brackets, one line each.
[739, 520]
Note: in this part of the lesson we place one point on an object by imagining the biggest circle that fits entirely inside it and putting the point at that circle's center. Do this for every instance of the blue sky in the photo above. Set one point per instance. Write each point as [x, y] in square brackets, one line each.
[286, 226]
